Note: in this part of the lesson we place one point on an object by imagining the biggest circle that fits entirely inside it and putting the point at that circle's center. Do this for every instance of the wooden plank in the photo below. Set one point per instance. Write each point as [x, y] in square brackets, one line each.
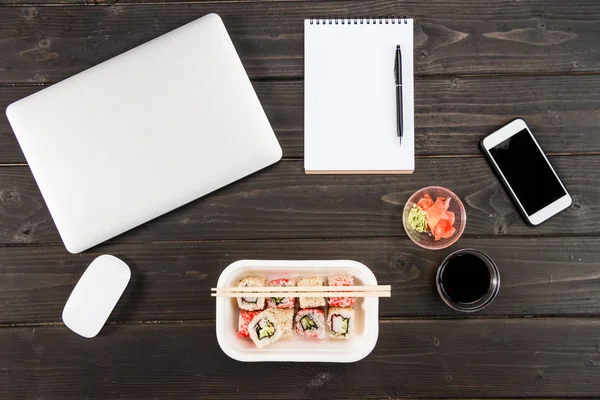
[117, 2]
[10, 152]
[172, 281]
[281, 202]
[413, 358]
[47, 44]
[451, 115]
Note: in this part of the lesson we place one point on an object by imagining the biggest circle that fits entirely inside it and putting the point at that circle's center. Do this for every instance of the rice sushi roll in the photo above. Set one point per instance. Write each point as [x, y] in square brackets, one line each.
[341, 280]
[244, 320]
[285, 317]
[252, 303]
[311, 322]
[265, 329]
[340, 322]
[281, 302]
[311, 302]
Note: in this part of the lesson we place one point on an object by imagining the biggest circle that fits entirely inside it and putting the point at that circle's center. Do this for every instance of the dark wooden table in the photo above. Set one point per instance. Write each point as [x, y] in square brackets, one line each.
[478, 64]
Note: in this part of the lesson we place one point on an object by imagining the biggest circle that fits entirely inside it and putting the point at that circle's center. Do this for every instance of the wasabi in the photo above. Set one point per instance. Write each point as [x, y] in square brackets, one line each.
[417, 219]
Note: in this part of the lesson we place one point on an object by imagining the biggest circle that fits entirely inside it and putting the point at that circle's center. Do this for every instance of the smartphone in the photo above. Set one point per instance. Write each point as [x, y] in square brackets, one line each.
[522, 166]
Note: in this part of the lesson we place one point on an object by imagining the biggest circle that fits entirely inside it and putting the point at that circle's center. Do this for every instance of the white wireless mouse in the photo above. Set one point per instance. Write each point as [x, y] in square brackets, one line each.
[96, 295]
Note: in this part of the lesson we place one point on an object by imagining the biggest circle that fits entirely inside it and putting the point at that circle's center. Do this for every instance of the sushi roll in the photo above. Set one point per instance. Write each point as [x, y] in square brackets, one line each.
[340, 322]
[252, 303]
[244, 320]
[341, 280]
[281, 302]
[311, 302]
[265, 329]
[285, 316]
[311, 322]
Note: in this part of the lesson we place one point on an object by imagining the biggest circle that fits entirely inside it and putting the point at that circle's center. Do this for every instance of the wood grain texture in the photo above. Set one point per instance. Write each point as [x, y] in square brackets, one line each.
[172, 281]
[47, 44]
[413, 358]
[451, 115]
[161, 340]
[282, 202]
[10, 152]
[55, 3]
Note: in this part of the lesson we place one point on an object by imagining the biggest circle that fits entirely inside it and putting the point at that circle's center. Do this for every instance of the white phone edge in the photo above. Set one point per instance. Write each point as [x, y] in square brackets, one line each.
[508, 130]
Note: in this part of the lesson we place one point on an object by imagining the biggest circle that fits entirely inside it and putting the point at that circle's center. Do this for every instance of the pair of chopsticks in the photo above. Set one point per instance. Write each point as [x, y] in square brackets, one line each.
[304, 291]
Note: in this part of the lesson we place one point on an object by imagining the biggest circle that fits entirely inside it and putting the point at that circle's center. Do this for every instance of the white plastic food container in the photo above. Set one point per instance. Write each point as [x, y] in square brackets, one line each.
[299, 348]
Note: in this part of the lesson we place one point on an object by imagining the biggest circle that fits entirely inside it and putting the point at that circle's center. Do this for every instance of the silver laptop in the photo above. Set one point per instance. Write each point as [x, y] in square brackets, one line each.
[143, 133]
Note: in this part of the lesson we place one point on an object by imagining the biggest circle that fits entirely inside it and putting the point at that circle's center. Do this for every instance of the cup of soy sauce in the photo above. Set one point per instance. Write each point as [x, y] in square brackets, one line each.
[468, 280]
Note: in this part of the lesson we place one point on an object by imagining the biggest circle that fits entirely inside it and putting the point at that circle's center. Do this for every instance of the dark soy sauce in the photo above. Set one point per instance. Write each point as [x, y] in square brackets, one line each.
[465, 278]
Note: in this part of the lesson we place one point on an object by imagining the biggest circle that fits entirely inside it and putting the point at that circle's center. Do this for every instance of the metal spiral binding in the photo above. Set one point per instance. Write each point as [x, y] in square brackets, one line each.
[358, 21]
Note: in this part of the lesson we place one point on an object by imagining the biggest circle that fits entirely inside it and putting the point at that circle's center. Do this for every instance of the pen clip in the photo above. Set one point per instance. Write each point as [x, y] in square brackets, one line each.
[396, 66]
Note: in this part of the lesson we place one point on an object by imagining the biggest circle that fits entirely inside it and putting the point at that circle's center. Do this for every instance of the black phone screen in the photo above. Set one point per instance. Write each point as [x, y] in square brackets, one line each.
[527, 172]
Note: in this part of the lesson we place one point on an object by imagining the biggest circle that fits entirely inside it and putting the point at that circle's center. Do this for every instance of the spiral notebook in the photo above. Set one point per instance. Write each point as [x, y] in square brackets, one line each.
[350, 122]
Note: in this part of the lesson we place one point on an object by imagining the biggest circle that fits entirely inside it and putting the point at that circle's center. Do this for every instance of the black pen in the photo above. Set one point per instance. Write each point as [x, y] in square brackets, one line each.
[398, 76]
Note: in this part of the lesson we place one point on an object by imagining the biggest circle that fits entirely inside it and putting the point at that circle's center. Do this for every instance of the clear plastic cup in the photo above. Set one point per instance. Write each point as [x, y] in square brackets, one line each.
[427, 240]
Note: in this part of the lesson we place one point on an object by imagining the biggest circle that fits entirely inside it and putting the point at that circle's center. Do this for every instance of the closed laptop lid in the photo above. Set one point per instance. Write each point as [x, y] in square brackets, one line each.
[143, 133]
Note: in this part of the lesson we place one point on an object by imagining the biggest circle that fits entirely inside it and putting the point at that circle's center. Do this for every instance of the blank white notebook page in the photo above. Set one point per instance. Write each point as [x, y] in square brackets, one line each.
[350, 96]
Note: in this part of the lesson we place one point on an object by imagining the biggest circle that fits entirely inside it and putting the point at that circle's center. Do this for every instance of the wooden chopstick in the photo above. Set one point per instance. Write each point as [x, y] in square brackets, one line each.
[286, 289]
[304, 294]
